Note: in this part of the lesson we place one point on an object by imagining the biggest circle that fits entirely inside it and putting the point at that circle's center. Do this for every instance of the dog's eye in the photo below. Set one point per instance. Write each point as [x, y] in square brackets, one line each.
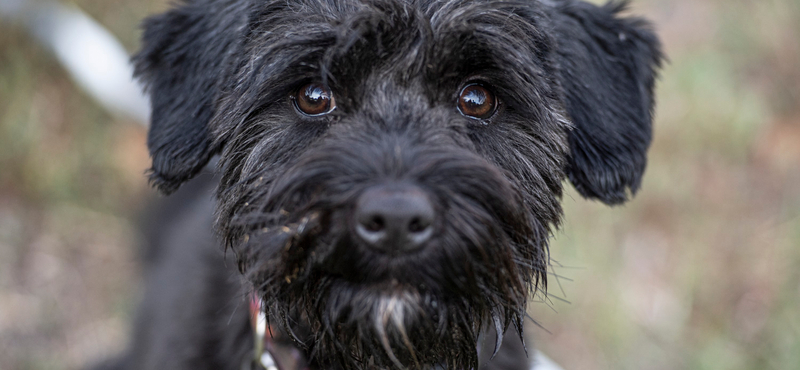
[314, 100]
[476, 101]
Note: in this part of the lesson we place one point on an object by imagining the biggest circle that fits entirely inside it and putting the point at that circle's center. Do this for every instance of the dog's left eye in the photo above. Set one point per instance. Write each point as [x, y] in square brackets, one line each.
[314, 100]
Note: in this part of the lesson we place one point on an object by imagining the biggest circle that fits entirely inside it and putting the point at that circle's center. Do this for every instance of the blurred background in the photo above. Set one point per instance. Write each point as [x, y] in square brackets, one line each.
[700, 271]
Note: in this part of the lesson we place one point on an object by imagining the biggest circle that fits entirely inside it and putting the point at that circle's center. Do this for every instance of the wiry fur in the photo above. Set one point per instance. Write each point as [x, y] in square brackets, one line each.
[574, 83]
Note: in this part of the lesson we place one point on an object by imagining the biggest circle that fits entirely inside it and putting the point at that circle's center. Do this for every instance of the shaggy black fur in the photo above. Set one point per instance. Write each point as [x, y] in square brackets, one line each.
[574, 83]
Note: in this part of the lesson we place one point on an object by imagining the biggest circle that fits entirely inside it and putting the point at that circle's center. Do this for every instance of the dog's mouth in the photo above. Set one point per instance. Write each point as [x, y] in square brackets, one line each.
[388, 305]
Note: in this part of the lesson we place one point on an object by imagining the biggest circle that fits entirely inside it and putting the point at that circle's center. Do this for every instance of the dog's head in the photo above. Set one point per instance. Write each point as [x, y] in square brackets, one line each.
[391, 170]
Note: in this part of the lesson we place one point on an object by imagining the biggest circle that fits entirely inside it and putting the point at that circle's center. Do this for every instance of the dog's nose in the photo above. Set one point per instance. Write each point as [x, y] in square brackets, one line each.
[394, 218]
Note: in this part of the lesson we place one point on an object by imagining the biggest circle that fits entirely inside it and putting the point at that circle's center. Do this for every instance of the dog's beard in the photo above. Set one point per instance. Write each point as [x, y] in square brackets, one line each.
[357, 309]
[383, 324]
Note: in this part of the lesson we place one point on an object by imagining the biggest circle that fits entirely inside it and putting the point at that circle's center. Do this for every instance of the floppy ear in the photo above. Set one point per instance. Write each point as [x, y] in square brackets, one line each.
[182, 63]
[608, 65]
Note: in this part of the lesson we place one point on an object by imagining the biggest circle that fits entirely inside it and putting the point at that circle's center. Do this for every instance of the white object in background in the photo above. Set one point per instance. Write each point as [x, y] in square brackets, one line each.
[542, 362]
[91, 54]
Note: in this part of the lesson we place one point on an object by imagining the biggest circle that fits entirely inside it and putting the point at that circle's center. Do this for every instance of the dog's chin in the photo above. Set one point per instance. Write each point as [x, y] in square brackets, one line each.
[390, 325]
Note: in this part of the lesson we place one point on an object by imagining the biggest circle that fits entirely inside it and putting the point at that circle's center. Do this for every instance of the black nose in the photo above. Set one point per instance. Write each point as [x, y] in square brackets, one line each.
[394, 218]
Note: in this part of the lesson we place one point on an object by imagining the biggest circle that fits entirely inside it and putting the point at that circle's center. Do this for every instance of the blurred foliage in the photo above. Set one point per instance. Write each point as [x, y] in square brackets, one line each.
[71, 188]
[700, 271]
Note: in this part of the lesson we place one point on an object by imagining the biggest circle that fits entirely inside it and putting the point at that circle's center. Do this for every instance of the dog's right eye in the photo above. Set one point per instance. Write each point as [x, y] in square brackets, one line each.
[314, 100]
[476, 101]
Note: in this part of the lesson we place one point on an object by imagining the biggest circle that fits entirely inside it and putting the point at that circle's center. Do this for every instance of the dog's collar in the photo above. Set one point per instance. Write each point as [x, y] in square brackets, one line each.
[268, 352]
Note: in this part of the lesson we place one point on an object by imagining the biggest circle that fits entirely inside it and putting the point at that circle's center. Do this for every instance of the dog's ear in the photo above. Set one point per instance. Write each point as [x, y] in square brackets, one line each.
[182, 63]
[608, 65]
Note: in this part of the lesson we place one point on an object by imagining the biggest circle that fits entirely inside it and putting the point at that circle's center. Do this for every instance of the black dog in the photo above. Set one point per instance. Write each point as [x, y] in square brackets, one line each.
[390, 171]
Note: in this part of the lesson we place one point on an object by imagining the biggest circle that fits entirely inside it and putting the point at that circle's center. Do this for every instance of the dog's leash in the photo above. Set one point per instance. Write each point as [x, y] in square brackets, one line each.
[268, 352]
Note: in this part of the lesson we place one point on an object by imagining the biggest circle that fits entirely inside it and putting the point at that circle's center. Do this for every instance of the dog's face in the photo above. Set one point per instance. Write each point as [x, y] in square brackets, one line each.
[391, 170]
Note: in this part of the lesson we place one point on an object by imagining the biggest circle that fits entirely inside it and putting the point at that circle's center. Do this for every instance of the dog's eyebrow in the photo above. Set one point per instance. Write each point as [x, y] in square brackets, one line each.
[502, 40]
[282, 56]
[330, 36]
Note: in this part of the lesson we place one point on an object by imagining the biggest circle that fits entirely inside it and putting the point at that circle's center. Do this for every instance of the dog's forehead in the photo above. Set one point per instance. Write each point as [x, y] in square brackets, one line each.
[388, 23]
[435, 11]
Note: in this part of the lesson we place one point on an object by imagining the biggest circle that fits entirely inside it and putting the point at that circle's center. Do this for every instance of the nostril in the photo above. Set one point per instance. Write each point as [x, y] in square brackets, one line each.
[372, 229]
[375, 223]
[418, 225]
